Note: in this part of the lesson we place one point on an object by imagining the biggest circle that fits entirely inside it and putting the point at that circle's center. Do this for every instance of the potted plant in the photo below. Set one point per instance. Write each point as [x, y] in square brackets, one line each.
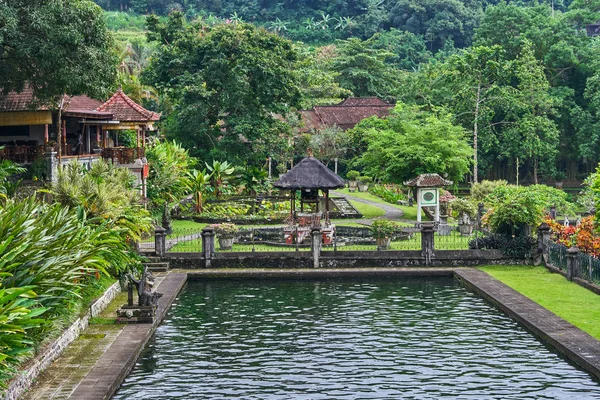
[363, 183]
[465, 211]
[225, 233]
[352, 177]
[559, 177]
[382, 230]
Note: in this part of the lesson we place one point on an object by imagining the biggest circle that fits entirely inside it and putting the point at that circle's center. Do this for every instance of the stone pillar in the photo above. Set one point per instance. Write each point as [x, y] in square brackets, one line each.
[542, 245]
[208, 245]
[160, 244]
[427, 242]
[572, 267]
[316, 240]
[553, 212]
[52, 165]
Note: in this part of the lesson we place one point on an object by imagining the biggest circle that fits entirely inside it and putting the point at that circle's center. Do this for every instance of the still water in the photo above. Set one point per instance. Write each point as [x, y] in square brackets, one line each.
[396, 339]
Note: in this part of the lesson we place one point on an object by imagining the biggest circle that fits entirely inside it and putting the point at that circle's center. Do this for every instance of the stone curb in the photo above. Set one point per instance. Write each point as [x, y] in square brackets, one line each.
[570, 341]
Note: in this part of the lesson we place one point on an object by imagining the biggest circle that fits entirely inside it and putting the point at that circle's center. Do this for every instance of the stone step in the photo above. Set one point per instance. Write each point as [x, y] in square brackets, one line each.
[157, 266]
[153, 259]
[345, 208]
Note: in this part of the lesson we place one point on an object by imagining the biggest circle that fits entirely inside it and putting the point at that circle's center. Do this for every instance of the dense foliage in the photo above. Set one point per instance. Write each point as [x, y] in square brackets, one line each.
[411, 141]
[55, 47]
[226, 81]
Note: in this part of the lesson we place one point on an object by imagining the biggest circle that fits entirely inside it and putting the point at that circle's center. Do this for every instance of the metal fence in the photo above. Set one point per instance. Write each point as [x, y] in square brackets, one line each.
[589, 267]
[273, 240]
[557, 255]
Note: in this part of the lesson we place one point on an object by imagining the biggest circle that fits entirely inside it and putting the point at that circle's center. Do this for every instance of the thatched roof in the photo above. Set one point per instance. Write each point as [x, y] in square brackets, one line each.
[428, 180]
[309, 173]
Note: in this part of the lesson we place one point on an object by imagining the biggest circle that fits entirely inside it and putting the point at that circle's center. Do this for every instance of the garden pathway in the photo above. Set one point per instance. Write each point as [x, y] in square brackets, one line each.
[391, 212]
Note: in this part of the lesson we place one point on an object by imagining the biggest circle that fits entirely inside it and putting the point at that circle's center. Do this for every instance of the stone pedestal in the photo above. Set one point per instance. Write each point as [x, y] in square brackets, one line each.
[136, 314]
[315, 245]
[208, 245]
[427, 241]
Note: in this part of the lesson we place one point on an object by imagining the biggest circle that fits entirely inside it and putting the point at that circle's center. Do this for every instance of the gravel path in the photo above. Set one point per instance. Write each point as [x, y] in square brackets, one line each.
[391, 212]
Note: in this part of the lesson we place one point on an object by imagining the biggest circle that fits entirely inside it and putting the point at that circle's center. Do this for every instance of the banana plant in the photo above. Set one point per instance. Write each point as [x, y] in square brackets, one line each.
[220, 173]
[198, 182]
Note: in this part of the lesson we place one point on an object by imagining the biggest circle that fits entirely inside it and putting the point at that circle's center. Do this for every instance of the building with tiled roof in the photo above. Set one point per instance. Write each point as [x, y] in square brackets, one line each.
[126, 110]
[428, 180]
[344, 115]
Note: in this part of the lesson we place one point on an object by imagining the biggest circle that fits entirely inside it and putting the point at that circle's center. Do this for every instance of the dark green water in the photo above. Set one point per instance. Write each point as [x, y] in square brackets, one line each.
[421, 339]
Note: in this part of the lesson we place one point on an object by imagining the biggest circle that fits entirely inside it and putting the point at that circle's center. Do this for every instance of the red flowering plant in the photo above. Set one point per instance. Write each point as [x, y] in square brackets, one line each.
[582, 236]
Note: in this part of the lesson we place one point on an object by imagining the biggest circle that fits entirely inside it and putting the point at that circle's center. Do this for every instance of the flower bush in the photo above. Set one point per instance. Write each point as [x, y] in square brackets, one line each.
[382, 228]
[582, 236]
[225, 229]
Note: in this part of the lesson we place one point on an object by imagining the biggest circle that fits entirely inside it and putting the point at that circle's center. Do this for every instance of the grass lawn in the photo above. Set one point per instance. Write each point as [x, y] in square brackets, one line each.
[182, 227]
[568, 300]
[367, 210]
[409, 212]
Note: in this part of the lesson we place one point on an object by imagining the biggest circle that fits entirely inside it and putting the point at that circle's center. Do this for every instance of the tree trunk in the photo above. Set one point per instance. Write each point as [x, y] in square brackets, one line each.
[535, 171]
[475, 134]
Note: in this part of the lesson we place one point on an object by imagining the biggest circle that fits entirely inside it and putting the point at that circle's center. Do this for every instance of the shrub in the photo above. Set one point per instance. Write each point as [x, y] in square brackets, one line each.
[463, 207]
[352, 175]
[390, 193]
[479, 191]
[225, 229]
[517, 247]
[383, 228]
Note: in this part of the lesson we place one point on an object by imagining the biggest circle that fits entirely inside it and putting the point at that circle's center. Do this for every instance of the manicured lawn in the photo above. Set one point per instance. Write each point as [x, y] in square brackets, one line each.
[183, 227]
[568, 300]
[367, 210]
[410, 213]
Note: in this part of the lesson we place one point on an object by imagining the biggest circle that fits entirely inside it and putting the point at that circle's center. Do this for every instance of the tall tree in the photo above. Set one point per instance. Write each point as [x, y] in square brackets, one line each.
[476, 77]
[226, 82]
[55, 47]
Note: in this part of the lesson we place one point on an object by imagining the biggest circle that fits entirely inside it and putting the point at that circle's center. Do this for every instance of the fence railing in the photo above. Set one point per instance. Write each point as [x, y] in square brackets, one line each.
[557, 255]
[272, 240]
[588, 267]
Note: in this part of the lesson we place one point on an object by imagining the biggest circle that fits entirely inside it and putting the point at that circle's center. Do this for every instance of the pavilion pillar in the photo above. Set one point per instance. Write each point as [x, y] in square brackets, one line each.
[138, 138]
[46, 137]
[419, 206]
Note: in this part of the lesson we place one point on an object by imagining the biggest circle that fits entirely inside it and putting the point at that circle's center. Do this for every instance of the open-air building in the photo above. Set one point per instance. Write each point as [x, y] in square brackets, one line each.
[89, 131]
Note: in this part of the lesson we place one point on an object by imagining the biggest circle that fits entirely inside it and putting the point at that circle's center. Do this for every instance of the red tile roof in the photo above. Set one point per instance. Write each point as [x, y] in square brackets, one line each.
[82, 106]
[126, 110]
[363, 101]
[346, 114]
[347, 117]
[22, 101]
[428, 180]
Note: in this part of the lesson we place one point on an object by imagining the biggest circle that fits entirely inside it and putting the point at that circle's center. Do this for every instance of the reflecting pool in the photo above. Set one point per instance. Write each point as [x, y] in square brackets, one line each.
[417, 338]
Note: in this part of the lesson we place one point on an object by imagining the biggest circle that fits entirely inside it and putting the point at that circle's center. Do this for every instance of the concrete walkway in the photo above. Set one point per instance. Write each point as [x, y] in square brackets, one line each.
[93, 367]
[391, 212]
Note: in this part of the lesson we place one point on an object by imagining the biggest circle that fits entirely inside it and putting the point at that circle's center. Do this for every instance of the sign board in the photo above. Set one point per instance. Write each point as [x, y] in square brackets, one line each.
[429, 197]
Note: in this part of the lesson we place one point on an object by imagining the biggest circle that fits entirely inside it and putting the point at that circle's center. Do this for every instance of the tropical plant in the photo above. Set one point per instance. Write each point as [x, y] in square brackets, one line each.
[220, 173]
[480, 190]
[19, 314]
[198, 182]
[7, 169]
[383, 228]
[169, 164]
[253, 179]
[390, 193]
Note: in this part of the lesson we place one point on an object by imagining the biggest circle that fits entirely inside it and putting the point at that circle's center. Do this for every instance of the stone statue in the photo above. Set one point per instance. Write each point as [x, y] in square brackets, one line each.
[144, 285]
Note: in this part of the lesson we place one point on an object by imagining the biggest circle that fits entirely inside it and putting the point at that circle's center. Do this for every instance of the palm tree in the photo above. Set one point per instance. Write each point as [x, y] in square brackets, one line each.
[278, 25]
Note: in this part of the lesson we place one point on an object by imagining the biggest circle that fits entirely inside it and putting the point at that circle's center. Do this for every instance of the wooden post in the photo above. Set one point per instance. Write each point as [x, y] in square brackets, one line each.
[46, 138]
[138, 138]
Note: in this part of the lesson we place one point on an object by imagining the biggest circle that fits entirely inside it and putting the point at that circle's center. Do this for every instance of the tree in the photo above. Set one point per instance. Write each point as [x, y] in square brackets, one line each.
[226, 81]
[362, 68]
[413, 141]
[476, 77]
[330, 143]
[55, 47]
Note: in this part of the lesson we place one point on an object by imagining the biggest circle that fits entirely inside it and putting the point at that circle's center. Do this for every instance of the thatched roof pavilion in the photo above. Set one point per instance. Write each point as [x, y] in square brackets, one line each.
[309, 176]
[309, 173]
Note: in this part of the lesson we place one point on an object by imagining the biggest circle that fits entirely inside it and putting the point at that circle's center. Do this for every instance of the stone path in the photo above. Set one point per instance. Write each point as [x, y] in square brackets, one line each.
[94, 366]
[391, 212]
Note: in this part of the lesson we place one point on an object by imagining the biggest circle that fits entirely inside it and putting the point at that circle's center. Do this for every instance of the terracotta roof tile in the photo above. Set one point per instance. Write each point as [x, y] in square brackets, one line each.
[347, 117]
[126, 110]
[22, 101]
[363, 101]
[428, 180]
